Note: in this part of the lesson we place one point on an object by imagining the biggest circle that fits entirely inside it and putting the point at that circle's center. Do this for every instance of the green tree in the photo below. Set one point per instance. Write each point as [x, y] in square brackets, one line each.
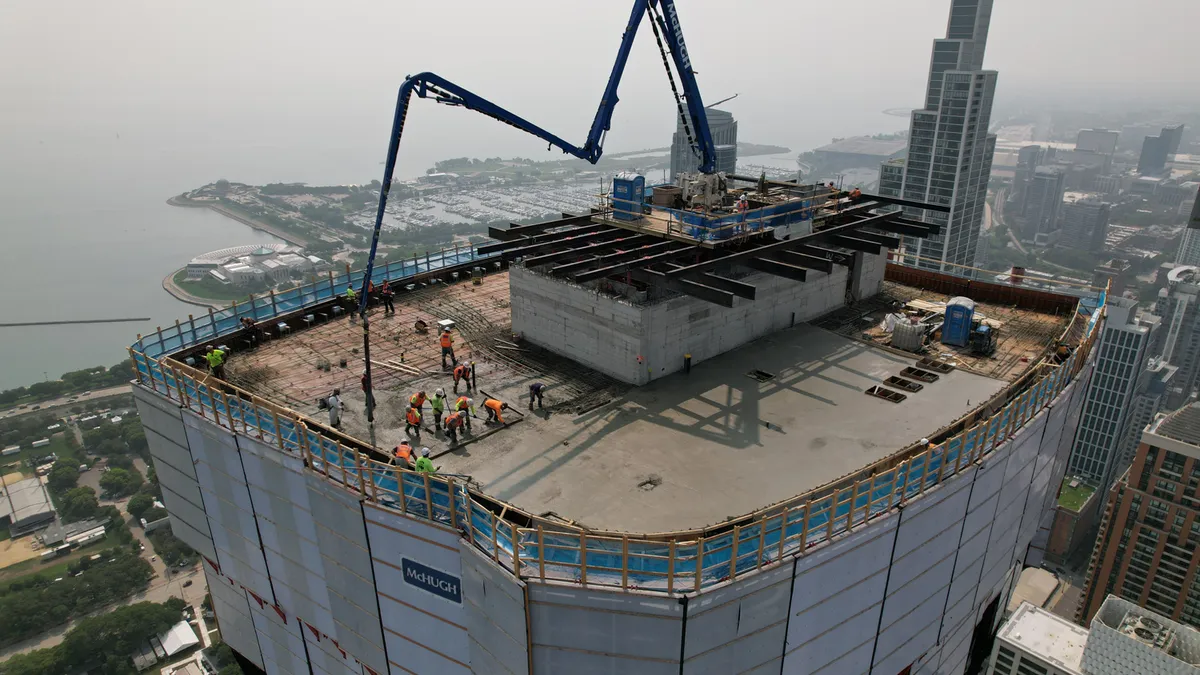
[139, 504]
[120, 482]
[78, 503]
[63, 476]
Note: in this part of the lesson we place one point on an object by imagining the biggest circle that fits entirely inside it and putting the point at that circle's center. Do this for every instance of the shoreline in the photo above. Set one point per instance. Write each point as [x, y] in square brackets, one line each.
[169, 285]
[184, 202]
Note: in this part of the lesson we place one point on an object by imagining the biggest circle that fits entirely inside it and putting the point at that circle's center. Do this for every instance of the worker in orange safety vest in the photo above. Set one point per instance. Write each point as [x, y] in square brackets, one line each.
[403, 454]
[447, 344]
[494, 408]
[417, 400]
[465, 406]
[412, 421]
[462, 372]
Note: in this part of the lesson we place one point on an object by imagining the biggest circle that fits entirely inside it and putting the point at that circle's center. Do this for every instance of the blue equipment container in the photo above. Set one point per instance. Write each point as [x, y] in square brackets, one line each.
[628, 196]
[956, 328]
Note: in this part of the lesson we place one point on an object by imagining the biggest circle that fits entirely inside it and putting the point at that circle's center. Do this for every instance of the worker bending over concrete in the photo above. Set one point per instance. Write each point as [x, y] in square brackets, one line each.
[535, 391]
[462, 372]
[454, 425]
[447, 344]
[412, 420]
[439, 407]
[494, 408]
[403, 455]
[466, 406]
[216, 361]
[417, 401]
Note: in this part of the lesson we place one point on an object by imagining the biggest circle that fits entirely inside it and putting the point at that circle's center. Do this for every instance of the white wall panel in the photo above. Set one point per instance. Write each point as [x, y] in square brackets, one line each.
[160, 414]
[837, 594]
[227, 504]
[424, 632]
[738, 626]
[279, 638]
[495, 613]
[233, 614]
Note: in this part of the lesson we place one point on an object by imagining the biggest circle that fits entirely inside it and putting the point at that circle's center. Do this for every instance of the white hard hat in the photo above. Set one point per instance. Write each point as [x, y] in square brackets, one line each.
[440, 393]
[470, 401]
[424, 452]
[924, 441]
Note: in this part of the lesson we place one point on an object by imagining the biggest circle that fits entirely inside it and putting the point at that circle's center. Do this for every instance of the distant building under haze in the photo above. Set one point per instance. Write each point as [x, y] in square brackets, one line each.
[724, 135]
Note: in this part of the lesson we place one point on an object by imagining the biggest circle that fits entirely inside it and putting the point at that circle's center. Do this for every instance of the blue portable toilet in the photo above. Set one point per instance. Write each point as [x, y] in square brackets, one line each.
[956, 328]
[628, 196]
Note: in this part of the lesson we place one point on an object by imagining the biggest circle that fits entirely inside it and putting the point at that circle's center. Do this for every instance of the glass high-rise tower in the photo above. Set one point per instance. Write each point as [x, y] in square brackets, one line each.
[950, 150]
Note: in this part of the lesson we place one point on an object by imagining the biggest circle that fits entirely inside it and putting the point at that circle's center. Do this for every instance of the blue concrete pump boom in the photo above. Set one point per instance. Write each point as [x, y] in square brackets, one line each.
[664, 21]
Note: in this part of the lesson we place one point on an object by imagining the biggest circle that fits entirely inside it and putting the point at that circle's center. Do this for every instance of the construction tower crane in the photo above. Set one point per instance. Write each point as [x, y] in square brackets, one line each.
[664, 21]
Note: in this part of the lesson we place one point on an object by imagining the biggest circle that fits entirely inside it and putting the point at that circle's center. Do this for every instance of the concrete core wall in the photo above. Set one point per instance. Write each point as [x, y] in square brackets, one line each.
[637, 343]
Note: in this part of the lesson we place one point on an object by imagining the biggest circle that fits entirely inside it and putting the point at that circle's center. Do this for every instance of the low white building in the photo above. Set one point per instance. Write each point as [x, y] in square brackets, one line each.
[248, 265]
[1123, 639]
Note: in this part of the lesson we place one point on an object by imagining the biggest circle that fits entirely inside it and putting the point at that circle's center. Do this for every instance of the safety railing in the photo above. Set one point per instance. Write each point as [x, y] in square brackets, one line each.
[197, 330]
[676, 562]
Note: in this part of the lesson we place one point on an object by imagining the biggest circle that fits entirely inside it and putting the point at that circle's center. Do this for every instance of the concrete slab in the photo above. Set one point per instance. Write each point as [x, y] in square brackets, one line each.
[705, 437]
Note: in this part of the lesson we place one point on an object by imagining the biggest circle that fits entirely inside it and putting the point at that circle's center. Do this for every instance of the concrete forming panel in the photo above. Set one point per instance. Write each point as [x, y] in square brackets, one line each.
[740, 626]
[418, 576]
[279, 638]
[233, 614]
[327, 658]
[495, 613]
[583, 630]
[160, 414]
[837, 594]
[227, 504]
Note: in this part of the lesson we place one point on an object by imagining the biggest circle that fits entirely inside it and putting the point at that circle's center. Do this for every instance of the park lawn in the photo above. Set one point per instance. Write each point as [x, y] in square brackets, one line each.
[209, 288]
[1074, 498]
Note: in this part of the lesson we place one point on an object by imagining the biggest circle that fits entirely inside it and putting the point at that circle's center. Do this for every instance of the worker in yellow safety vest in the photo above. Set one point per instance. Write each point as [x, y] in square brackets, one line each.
[447, 344]
[412, 419]
[466, 406]
[216, 361]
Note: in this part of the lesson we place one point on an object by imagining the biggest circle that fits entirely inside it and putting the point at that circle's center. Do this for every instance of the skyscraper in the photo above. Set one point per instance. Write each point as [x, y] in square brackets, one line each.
[1179, 306]
[1107, 411]
[950, 151]
[724, 134]
[1189, 247]
[1084, 224]
[1160, 149]
[1043, 199]
[1147, 551]
[1029, 158]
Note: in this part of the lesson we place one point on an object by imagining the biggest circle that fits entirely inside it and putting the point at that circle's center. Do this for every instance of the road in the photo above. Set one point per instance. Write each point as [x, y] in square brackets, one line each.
[64, 400]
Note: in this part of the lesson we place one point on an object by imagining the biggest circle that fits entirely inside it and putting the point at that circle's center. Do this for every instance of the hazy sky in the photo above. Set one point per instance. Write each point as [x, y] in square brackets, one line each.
[322, 75]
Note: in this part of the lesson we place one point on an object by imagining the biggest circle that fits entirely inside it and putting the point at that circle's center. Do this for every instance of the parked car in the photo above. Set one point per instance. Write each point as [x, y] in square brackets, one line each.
[187, 583]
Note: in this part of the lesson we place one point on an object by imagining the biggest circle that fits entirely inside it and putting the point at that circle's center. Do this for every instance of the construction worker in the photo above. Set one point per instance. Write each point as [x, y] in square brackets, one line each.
[424, 464]
[439, 407]
[855, 195]
[494, 408]
[403, 454]
[535, 390]
[386, 294]
[335, 408]
[216, 361]
[417, 401]
[454, 424]
[447, 344]
[351, 302]
[465, 405]
[412, 420]
[462, 372]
